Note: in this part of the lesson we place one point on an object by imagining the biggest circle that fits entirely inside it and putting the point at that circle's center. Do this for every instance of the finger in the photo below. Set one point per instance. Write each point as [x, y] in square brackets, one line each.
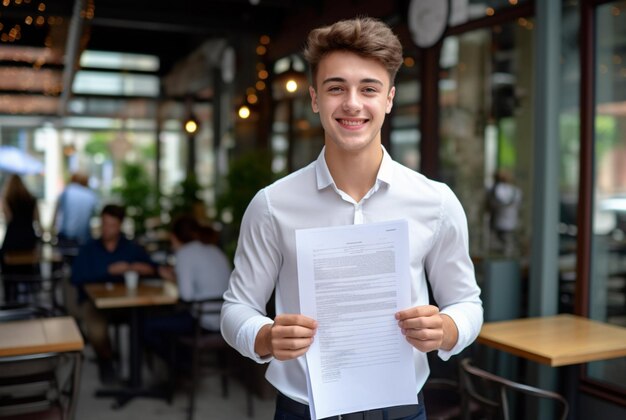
[289, 354]
[291, 331]
[424, 345]
[416, 312]
[295, 319]
[286, 349]
[291, 344]
[423, 334]
[432, 322]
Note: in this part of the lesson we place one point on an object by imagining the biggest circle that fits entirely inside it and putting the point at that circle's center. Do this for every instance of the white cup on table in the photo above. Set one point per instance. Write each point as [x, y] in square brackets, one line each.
[131, 278]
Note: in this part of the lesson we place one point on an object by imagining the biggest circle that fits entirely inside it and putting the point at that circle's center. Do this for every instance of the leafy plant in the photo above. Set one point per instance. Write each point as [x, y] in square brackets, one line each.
[186, 199]
[248, 173]
[138, 194]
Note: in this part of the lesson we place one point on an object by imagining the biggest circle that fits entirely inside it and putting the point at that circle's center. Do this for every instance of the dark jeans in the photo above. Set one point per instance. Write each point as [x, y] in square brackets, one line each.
[281, 414]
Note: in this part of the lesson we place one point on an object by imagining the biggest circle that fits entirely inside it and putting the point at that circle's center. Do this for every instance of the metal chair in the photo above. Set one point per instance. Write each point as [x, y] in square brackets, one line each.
[491, 392]
[33, 288]
[16, 312]
[38, 383]
[30, 384]
[204, 344]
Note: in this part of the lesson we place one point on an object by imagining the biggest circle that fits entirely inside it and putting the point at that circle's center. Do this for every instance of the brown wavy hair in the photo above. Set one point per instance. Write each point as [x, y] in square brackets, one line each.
[16, 193]
[364, 36]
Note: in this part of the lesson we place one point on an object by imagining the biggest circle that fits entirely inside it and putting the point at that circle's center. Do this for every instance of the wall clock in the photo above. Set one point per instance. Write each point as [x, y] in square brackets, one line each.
[428, 20]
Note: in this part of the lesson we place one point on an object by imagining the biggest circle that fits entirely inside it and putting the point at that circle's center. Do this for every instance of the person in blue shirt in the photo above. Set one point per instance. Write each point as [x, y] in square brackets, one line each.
[106, 260]
[73, 212]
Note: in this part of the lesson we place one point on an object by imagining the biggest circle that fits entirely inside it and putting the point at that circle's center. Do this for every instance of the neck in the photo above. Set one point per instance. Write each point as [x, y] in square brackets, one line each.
[111, 243]
[354, 173]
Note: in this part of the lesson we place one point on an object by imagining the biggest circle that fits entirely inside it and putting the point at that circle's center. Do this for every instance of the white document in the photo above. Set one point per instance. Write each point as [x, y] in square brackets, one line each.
[352, 280]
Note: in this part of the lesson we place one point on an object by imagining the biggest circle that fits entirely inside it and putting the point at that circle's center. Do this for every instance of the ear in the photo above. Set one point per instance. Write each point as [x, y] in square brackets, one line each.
[390, 96]
[313, 99]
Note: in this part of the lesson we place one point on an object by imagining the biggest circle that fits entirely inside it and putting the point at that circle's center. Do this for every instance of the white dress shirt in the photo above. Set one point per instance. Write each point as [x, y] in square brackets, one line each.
[266, 256]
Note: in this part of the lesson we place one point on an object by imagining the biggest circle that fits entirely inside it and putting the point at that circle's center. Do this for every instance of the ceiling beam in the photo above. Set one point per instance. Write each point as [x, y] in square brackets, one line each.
[75, 33]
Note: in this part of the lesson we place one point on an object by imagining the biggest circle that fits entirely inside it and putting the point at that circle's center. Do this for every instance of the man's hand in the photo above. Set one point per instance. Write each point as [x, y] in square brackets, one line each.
[167, 273]
[142, 268]
[118, 268]
[426, 329]
[290, 336]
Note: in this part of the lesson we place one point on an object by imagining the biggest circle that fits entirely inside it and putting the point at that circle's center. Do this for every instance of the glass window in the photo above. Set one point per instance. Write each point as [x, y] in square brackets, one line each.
[405, 133]
[119, 61]
[486, 134]
[105, 83]
[607, 288]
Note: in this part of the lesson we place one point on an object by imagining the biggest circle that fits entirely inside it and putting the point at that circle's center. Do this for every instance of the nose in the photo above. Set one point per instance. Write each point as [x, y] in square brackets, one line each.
[352, 102]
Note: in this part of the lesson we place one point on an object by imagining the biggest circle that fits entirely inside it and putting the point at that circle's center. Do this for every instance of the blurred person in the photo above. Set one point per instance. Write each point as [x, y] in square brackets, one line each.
[22, 229]
[354, 180]
[21, 215]
[504, 200]
[73, 211]
[103, 260]
[201, 271]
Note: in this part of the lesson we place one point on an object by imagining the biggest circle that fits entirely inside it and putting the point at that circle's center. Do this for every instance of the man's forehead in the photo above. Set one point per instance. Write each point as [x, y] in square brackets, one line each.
[371, 73]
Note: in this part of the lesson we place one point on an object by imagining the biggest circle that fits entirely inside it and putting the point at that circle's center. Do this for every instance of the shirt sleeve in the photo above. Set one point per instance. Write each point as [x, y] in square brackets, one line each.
[257, 264]
[451, 274]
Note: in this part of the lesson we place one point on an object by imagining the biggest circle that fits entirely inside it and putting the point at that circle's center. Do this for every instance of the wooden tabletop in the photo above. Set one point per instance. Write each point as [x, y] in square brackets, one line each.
[115, 295]
[556, 340]
[40, 335]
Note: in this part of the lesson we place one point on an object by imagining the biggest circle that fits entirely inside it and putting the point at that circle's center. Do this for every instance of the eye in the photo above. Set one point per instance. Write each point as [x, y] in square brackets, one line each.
[335, 89]
[369, 90]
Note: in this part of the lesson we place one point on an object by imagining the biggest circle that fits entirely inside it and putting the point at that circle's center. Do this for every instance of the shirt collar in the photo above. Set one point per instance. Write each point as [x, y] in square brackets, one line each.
[324, 178]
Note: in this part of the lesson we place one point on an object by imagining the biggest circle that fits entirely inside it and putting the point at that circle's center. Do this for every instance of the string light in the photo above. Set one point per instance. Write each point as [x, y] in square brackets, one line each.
[291, 86]
[244, 112]
[191, 126]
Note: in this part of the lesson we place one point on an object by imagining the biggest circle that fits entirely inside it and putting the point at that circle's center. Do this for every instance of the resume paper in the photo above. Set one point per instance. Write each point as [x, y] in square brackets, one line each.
[352, 280]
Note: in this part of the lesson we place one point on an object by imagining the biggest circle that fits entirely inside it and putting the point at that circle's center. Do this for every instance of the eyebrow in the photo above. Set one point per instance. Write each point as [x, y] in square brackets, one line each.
[342, 80]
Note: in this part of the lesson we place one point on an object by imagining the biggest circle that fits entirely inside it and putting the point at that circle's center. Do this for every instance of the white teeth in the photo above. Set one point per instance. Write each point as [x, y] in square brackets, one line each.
[350, 122]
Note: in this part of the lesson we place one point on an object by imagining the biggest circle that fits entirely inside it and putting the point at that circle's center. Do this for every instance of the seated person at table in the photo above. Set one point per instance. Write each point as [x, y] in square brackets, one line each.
[201, 271]
[100, 261]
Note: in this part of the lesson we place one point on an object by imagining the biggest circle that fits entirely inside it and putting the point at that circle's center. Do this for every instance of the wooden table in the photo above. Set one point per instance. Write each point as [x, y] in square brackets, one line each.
[116, 296]
[45, 335]
[41, 335]
[559, 340]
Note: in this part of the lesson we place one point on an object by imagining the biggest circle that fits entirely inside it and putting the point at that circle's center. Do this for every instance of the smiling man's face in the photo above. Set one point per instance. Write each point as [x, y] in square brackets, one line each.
[352, 96]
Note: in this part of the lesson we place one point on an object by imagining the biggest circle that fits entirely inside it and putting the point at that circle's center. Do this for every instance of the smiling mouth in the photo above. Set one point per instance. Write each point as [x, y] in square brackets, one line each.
[351, 123]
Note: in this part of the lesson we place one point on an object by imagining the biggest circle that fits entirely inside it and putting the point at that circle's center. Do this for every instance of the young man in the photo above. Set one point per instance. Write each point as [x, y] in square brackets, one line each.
[106, 260]
[353, 181]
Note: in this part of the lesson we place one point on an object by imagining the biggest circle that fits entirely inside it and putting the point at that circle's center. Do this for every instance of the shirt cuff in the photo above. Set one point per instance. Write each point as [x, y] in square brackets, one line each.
[465, 337]
[247, 336]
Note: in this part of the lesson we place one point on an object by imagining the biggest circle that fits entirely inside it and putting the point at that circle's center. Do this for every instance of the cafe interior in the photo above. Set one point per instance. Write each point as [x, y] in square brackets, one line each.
[192, 106]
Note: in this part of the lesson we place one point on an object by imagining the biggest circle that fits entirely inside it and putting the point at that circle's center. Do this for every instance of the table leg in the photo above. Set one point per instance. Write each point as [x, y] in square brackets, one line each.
[135, 389]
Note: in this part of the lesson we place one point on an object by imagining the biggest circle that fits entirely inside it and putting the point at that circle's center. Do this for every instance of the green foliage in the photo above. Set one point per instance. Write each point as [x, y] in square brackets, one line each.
[247, 174]
[507, 150]
[186, 197]
[138, 194]
[98, 144]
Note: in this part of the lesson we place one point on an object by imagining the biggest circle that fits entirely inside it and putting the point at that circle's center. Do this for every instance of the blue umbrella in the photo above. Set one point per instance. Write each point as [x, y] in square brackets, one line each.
[17, 161]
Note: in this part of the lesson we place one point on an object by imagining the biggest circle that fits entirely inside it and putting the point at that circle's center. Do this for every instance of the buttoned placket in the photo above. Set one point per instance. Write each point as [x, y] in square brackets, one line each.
[358, 213]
